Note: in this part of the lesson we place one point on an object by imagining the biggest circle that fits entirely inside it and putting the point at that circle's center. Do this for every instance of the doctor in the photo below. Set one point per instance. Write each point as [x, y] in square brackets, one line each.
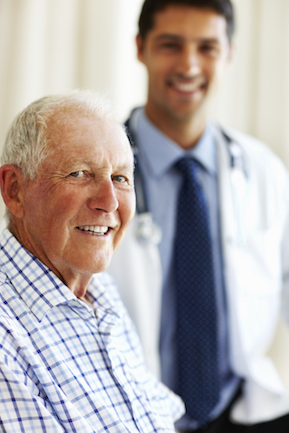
[186, 46]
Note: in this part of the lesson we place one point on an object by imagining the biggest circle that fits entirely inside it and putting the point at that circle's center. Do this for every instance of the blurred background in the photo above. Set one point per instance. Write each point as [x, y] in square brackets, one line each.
[52, 46]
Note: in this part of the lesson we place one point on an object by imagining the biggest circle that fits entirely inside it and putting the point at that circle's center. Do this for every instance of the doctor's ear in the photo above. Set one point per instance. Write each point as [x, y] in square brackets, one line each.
[231, 52]
[12, 182]
[140, 47]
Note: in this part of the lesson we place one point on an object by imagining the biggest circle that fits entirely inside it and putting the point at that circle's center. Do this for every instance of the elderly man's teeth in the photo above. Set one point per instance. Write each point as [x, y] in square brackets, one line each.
[95, 230]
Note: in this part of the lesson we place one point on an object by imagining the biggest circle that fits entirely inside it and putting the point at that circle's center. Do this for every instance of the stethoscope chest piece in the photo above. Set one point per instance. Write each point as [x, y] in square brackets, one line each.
[147, 231]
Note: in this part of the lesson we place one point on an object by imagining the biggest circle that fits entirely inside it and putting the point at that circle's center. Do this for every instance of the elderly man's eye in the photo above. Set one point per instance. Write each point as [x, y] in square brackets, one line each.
[120, 179]
[77, 173]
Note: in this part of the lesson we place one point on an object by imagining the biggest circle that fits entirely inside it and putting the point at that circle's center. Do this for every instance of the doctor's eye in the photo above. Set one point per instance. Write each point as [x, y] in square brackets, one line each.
[169, 45]
[210, 49]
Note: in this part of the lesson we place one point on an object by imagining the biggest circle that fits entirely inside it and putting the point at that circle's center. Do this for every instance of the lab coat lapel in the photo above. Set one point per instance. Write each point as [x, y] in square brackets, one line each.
[229, 233]
[250, 297]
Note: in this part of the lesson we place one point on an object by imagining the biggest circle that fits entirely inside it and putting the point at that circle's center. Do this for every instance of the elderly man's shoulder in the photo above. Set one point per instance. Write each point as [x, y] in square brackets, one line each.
[102, 288]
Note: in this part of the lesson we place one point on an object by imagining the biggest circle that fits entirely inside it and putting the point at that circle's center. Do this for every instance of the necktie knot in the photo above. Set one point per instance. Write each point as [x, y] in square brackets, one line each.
[187, 166]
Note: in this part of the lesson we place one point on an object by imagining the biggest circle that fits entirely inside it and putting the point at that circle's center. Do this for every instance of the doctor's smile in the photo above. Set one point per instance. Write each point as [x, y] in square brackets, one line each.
[187, 86]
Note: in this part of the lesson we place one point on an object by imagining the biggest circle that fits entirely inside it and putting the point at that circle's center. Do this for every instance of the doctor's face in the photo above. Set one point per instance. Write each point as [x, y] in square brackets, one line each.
[186, 54]
[78, 208]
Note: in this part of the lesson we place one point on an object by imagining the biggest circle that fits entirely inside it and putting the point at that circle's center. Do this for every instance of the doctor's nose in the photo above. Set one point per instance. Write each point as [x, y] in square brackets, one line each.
[189, 63]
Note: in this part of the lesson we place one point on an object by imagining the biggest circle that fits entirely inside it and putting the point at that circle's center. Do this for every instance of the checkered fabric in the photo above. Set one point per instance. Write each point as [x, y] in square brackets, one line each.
[65, 367]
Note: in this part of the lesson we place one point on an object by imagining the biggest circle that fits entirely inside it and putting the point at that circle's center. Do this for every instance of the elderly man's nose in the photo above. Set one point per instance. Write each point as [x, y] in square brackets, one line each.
[104, 197]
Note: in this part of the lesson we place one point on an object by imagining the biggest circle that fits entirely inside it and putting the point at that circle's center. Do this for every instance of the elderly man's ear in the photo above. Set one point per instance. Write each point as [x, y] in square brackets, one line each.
[12, 184]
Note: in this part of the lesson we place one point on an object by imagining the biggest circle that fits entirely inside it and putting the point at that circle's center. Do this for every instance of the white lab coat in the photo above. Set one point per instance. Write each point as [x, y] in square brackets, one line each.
[255, 236]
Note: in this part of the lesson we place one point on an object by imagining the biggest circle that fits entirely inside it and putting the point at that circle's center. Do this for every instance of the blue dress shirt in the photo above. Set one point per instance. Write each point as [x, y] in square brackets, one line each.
[65, 367]
[157, 157]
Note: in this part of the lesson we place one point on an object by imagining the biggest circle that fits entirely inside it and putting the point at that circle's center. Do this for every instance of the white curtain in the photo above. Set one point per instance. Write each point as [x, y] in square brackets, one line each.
[255, 97]
[51, 46]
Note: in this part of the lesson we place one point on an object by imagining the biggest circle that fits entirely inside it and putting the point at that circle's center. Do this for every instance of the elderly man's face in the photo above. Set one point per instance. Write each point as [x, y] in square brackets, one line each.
[78, 208]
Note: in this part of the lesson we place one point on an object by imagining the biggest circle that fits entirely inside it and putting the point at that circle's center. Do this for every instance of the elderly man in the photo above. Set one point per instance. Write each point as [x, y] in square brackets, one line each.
[70, 359]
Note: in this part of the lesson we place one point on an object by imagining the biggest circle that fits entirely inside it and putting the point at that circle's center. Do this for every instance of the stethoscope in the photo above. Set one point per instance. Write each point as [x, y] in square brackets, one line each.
[148, 231]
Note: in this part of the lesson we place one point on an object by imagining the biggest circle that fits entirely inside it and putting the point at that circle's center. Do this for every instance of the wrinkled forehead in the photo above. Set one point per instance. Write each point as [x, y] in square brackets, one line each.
[70, 122]
[78, 133]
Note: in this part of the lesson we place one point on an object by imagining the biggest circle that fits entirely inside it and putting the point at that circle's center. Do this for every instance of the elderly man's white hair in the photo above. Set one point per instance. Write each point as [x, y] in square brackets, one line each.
[26, 145]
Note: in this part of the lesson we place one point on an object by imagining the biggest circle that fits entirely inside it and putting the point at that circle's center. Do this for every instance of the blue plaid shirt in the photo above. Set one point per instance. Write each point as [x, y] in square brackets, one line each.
[65, 367]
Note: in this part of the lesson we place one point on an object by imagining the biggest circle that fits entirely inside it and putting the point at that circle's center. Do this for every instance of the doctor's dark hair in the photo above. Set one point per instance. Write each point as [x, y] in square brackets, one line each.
[151, 7]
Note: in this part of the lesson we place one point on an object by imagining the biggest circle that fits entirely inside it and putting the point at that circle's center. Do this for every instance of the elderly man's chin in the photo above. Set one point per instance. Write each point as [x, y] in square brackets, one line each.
[99, 263]
[92, 267]
[95, 256]
[78, 267]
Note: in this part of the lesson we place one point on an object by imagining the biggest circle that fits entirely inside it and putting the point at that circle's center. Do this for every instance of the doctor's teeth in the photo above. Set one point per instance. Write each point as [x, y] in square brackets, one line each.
[185, 87]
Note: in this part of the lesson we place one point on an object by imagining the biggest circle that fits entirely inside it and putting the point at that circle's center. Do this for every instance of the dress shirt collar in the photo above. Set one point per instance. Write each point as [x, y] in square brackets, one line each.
[162, 157]
[37, 285]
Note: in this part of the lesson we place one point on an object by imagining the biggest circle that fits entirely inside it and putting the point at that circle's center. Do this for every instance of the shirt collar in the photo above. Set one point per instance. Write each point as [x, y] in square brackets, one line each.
[39, 288]
[162, 157]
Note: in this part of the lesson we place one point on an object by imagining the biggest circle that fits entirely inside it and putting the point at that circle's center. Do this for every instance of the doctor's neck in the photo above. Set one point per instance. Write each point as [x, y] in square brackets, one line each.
[185, 131]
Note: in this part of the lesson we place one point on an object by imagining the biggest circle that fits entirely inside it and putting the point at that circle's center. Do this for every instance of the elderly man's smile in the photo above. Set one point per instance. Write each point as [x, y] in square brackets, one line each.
[95, 230]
